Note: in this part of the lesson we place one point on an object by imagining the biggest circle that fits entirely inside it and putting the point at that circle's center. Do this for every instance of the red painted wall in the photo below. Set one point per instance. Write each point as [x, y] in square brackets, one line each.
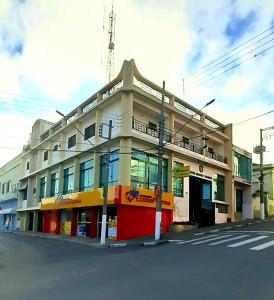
[135, 221]
[51, 221]
[92, 227]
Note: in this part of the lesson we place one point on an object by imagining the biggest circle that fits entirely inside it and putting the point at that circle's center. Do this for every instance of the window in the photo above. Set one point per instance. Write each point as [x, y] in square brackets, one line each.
[178, 183]
[89, 131]
[239, 200]
[3, 188]
[71, 141]
[185, 140]
[113, 174]
[55, 147]
[43, 187]
[54, 182]
[144, 170]
[242, 166]
[68, 180]
[27, 165]
[8, 186]
[86, 175]
[218, 187]
[46, 155]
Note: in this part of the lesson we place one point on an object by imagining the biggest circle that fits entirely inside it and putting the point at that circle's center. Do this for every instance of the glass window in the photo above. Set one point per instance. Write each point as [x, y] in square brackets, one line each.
[178, 183]
[54, 182]
[68, 180]
[218, 187]
[71, 141]
[89, 131]
[242, 166]
[8, 186]
[46, 155]
[239, 200]
[113, 174]
[28, 165]
[144, 171]
[86, 175]
[43, 187]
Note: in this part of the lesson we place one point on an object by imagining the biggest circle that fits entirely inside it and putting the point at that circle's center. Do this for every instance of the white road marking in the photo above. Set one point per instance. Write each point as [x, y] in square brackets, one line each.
[248, 241]
[229, 227]
[263, 246]
[212, 239]
[198, 239]
[239, 225]
[258, 222]
[251, 231]
[199, 233]
[215, 230]
[228, 240]
[175, 241]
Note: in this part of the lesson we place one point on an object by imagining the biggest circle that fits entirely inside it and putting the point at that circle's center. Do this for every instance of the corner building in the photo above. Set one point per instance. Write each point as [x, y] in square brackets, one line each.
[62, 169]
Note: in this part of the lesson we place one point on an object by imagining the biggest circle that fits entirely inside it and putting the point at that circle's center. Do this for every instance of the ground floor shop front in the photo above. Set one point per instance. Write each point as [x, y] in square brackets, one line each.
[8, 215]
[131, 213]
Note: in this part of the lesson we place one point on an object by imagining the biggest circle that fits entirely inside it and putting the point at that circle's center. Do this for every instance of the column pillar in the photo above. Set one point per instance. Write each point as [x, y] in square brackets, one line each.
[76, 175]
[125, 162]
[96, 170]
[61, 179]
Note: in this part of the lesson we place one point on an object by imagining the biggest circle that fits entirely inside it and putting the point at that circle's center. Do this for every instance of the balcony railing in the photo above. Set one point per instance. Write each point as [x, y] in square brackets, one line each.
[144, 128]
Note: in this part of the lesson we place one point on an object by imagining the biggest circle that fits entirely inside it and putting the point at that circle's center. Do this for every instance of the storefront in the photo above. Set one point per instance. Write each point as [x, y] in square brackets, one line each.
[8, 215]
[131, 213]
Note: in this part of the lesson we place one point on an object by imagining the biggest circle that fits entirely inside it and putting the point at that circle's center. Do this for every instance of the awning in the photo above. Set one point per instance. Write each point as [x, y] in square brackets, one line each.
[7, 211]
[23, 186]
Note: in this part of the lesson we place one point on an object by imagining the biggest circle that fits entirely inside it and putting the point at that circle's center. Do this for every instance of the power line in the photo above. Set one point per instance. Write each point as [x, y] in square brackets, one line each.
[227, 53]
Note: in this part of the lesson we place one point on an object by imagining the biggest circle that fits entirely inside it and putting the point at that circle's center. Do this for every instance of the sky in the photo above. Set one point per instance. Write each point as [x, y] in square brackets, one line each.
[53, 55]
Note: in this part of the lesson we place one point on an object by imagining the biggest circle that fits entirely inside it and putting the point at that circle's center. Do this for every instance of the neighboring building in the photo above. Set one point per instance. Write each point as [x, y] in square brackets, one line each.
[268, 171]
[9, 181]
[242, 180]
[62, 170]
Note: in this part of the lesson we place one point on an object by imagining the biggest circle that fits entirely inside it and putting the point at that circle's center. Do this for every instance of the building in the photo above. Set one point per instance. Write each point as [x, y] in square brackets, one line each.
[242, 181]
[9, 181]
[63, 169]
[268, 171]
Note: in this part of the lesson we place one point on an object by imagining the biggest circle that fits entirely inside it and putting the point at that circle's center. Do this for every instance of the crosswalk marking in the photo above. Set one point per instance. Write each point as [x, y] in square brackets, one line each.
[263, 246]
[198, 239]
[248, 241]
[211, 239]
[230, 239]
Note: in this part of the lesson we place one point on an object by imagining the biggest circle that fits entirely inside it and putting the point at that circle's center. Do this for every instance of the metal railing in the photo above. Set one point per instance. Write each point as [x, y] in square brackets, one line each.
[178, 141]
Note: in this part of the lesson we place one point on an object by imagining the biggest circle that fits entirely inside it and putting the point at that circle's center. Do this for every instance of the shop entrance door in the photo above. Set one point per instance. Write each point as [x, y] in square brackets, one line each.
[201, 208]
[83, 222]
[65, 221]
[31, 217]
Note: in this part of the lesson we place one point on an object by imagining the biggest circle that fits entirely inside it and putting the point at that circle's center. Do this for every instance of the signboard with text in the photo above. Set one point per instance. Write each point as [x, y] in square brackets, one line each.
[182, 172]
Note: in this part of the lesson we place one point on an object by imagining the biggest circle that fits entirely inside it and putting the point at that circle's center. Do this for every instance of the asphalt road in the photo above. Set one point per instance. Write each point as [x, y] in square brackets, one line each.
[190, 268]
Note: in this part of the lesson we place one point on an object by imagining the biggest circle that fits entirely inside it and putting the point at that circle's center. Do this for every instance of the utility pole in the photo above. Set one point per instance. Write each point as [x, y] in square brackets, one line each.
[262, 208]
[159, 188]
[105, 189]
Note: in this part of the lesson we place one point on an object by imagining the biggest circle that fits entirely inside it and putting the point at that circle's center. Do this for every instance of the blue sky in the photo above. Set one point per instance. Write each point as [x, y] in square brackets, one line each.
[55, 51]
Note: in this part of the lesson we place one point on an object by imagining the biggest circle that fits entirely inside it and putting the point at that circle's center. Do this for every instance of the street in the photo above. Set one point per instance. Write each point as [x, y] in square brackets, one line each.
[232, 264]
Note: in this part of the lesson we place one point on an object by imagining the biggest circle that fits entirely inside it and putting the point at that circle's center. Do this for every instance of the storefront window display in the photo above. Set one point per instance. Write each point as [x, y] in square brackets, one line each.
[65, 221]
[83, 221]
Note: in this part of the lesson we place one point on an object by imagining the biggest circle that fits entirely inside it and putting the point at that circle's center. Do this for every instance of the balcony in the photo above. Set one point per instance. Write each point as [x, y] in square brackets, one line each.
[178, 141]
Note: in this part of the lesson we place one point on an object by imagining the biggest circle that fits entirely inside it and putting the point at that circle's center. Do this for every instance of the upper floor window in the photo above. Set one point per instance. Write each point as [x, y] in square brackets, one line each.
[3, 188]
[86, 175]
[113, 172]
[178, 183]
[55, 147]
[89, 131]
[54, 182]
[8, 186]
[71, 141]
[218, 187]
[27, 167]
[68, 180]
[46, 155]
[43, 187]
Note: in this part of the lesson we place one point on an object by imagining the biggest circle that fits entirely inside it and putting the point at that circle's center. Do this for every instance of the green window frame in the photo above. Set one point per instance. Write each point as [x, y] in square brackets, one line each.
[54, 182]
[144, 169]
[113, 172]
[43, 182]
[68, 180]
[178, 183]
[86, 181]
[218, 187]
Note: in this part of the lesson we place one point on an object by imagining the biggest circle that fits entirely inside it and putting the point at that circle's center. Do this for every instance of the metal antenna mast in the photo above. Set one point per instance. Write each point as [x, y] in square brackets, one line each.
[111, 34]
